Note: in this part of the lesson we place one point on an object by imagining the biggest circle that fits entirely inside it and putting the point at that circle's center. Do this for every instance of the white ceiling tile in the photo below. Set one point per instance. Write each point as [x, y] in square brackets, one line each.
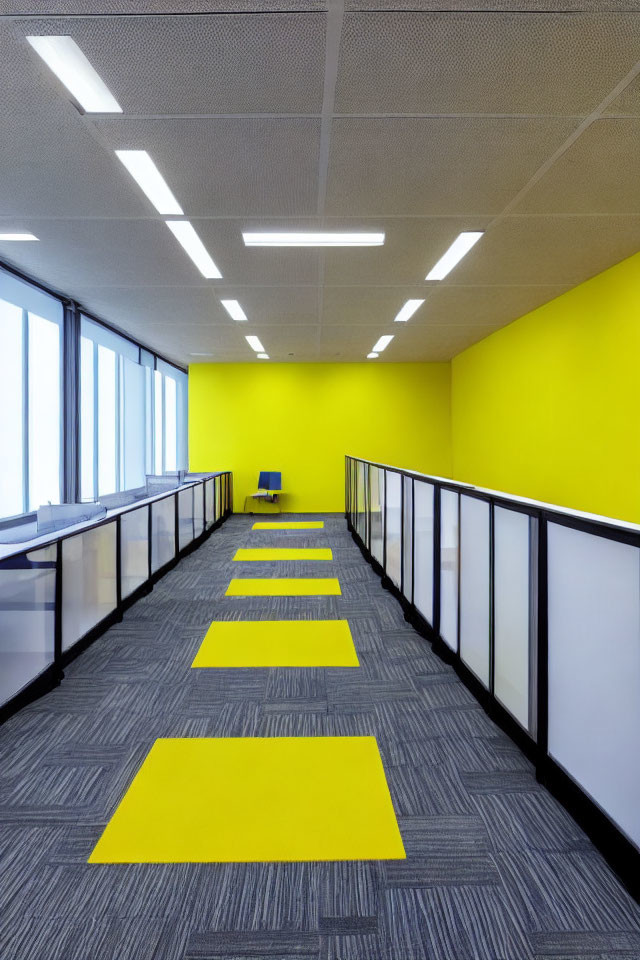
[436, 166]
[226, 167]
[272, 63]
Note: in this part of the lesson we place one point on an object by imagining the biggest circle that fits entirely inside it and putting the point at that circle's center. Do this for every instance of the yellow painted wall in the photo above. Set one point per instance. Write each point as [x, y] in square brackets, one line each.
[549, 406]
[303, 418]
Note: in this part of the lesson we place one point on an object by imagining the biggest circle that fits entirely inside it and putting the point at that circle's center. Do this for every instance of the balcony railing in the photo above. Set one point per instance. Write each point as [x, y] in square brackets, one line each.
[60, 591]
[538, 609]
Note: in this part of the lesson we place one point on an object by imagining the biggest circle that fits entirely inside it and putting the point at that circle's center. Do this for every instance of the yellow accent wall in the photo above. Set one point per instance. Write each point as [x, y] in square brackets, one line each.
[303, 418]
[549, 406]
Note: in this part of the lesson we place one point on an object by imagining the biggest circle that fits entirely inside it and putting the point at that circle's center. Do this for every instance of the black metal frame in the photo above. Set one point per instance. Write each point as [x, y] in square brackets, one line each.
[54, 673]
[622, 855]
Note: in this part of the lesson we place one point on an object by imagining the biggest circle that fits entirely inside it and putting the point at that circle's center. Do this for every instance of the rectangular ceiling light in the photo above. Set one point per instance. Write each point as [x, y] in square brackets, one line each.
[408, 310]
[255, 344]
[382, 343]
[150, 180]
[193, 245]
[17, 237]
[234, 310]
[305, 239]
[263, 356]
[460, 246]
[65, 58]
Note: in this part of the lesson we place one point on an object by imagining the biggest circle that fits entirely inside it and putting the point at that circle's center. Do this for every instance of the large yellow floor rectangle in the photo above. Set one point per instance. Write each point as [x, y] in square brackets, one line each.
[283, 587]
[290, 525]
[283, 553]
[246, 799]
[277, 643]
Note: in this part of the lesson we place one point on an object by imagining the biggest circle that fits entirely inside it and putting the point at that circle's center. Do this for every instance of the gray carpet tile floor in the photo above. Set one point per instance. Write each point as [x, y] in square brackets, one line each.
[495, 869]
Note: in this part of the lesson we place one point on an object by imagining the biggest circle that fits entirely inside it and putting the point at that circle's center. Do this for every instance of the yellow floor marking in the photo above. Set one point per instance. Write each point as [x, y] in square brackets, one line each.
[284, 553]
[284, 587]
[277, 643]
[246, 799]
[290, 525]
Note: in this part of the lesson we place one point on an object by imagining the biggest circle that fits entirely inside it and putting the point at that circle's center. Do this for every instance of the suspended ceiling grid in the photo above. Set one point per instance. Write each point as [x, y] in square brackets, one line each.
[516, 118]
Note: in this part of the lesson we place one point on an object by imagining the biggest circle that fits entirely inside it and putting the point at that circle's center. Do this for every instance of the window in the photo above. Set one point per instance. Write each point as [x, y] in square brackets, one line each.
[131, 405]
[131, 413]
[31, 408]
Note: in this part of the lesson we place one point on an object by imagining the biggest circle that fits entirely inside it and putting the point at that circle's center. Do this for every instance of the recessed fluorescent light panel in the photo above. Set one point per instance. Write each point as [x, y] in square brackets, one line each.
[322, 239]
[150, 180]
[372, 355]
[263, 356]
[255, 344]
[17, 237]
[65, 58]
[408, 310]
[193, 245]
[382, 343]
[460, 246]
[234, 310]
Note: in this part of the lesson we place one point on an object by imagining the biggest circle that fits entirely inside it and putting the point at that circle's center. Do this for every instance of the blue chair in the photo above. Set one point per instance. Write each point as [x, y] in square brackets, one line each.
[269, 488]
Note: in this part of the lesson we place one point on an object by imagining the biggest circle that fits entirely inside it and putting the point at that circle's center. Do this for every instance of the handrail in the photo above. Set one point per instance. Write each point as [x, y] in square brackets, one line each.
[537, 607]
[500, 496]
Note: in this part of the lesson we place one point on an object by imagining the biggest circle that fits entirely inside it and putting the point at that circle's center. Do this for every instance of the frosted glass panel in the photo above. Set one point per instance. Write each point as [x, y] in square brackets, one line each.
[44, 411]
[475, 586]
[594, 668]
[88, 581]
[512, 612]
[198, 509]
[360, 501]
[87, 413]
[394, 521]
[376, 481]
[407, 512]
[11, 409]
[185, 517]
[133, 424]
[218, 496]
[449, 568]
[134, 547]
[423, 549]
[163, 532]
[27, 619]
[208, 502]
[106, 421]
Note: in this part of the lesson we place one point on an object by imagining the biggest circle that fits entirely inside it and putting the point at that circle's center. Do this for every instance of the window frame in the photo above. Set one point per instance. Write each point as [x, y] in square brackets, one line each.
[69, 322]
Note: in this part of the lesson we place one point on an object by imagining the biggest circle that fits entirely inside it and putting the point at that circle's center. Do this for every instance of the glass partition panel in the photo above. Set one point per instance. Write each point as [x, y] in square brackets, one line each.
[594, 669]
[107, 423]
[512, 614]
[393, 502]
[198, 509]
[163, 532]
[407, 547]
[88, 581]
[185, 517]
[218, 497]
[27, 619]
[134, 550]
[449, 568]
[423, 549]
[361, 505]
[376, 499]
[208, 502]
[475, 585]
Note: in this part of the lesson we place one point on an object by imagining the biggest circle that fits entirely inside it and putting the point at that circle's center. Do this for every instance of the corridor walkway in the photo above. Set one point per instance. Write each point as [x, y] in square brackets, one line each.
[494, 867]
